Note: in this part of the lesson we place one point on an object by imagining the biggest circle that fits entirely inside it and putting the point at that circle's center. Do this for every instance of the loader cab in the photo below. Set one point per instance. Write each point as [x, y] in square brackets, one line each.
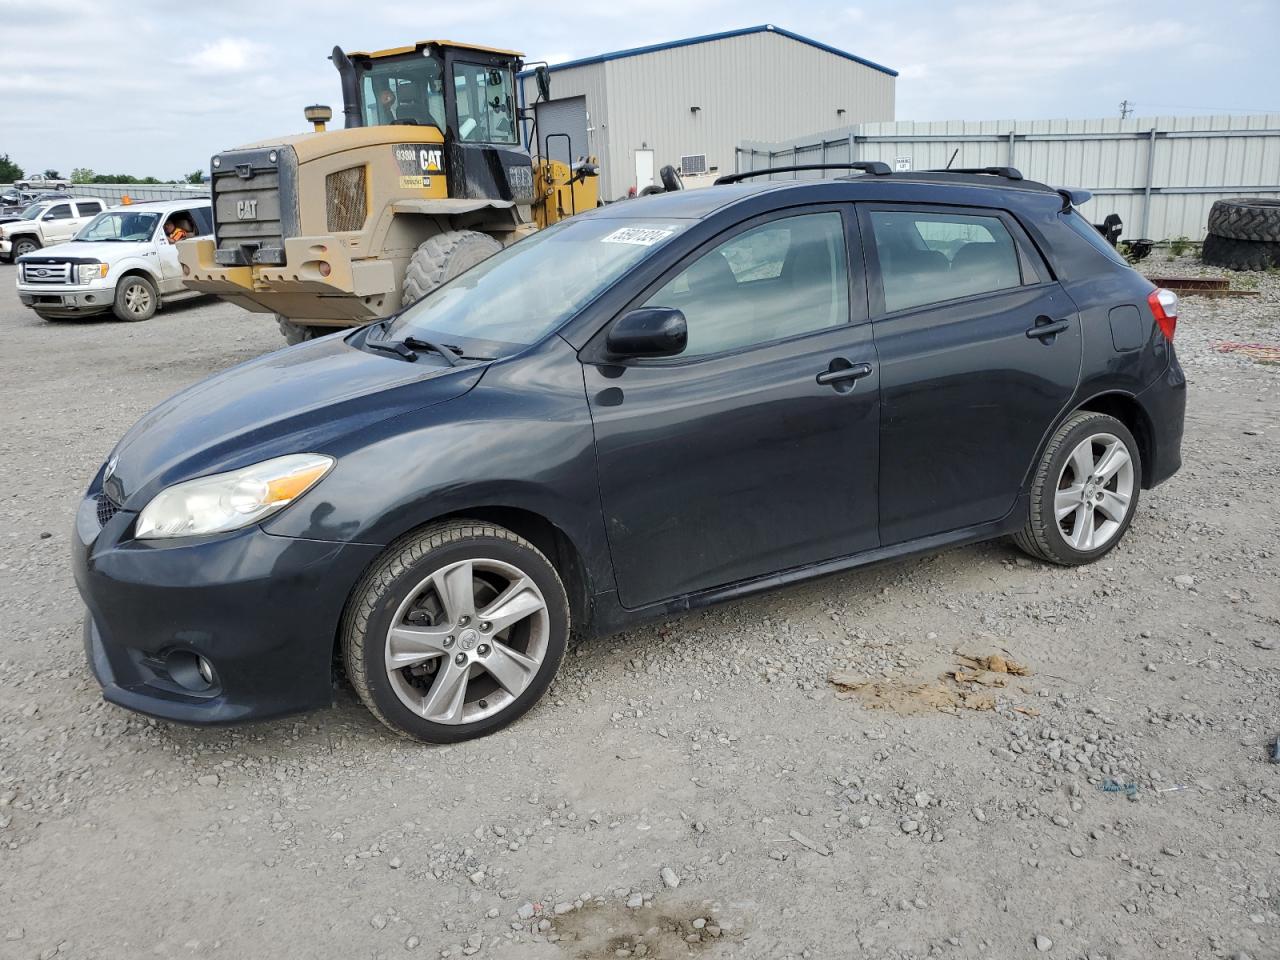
[466, 92]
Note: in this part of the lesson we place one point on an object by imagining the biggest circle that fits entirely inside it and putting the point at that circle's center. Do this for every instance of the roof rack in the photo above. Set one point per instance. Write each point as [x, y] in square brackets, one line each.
[1009, 173]
[874, 167]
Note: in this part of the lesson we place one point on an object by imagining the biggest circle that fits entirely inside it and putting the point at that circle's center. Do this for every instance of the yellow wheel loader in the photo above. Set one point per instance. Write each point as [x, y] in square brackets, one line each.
[336, 228]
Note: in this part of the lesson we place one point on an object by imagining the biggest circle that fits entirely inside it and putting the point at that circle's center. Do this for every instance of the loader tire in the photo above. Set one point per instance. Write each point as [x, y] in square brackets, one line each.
[1239, 254]
[442, 258]
[1245, 219]
[299, 332]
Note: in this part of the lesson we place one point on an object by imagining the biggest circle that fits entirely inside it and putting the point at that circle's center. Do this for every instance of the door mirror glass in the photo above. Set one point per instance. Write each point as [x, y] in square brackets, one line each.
[649, 332]
[543, 78]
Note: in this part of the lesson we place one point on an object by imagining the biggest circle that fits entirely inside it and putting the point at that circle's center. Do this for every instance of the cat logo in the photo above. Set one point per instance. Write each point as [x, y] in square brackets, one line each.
[430, 160]
[247, 209]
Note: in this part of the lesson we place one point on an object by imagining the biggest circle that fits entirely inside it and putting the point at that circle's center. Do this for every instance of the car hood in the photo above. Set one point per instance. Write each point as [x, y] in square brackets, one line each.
[301, 399]
[105, 252]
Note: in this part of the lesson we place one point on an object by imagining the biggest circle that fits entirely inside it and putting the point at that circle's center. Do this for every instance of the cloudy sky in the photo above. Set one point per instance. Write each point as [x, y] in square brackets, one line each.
[154, 87]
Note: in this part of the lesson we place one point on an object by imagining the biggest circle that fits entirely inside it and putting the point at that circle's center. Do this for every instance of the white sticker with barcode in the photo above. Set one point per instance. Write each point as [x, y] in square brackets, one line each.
[640, 236]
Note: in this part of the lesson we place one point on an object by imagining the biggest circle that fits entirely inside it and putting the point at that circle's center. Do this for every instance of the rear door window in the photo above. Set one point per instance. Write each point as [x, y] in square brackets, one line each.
[928, 257]
[89, 208]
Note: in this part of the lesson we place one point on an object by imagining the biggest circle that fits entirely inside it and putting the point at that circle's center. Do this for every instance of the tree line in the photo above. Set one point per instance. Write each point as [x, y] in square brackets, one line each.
[10, 171]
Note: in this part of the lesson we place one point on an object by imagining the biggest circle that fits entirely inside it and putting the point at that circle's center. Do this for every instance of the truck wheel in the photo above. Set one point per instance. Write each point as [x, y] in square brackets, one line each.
[1243, 218]
[300, 332]
[25, 245]
[1239, 254]
[442, 258]
[136, 299]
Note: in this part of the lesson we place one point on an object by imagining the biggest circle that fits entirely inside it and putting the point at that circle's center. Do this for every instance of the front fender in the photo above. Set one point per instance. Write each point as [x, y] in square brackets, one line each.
[520, 439]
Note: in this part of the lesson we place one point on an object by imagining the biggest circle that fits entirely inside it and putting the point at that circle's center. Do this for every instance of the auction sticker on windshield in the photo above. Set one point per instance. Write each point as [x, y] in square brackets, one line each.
[640, 236]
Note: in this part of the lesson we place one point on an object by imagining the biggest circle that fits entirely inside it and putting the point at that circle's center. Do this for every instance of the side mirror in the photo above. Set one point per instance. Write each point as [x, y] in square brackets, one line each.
[649, 332]
[542, 76]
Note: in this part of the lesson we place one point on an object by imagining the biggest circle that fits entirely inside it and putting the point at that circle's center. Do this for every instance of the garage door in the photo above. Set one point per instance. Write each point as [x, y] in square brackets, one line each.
[557, 118]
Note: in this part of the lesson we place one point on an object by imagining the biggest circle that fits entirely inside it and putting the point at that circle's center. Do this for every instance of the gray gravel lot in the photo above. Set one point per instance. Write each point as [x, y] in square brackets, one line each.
[694, 788]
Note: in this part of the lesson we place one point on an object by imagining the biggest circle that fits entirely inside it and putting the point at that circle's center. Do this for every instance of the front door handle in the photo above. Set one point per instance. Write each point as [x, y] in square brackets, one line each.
[1046, 329]
[841, 374]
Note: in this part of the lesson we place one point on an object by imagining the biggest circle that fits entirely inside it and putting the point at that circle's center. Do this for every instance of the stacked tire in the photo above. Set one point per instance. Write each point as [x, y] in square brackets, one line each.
[1243, 234]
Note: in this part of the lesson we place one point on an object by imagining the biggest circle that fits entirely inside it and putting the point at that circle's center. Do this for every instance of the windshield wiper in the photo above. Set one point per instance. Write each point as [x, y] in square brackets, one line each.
[392, 346]
[452, 354]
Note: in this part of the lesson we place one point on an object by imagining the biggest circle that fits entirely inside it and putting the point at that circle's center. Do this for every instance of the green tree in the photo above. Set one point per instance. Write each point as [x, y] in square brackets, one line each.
[9, 171]
[195, 176]
[52, 174]
[82, 175]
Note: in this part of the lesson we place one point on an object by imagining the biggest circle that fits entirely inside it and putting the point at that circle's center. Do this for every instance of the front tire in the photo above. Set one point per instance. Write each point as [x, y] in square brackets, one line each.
[136, 299]
[1085, 491]
[455, 632]
[23, 246]
[442, 258]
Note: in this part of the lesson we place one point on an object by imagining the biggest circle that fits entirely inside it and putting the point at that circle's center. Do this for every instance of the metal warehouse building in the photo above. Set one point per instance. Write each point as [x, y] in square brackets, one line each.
[689, 103]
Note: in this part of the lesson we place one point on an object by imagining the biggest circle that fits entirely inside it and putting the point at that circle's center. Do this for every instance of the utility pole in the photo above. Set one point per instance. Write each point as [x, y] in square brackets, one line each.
[1126, 108]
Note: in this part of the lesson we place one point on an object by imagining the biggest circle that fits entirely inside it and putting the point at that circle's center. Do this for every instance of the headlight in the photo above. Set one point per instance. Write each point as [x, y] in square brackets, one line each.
[228, 501]
[91, 271]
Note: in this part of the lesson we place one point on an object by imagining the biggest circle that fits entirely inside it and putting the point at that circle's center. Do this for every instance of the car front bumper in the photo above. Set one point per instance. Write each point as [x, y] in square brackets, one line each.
[262, 610]
[64, 301]
[6, 247]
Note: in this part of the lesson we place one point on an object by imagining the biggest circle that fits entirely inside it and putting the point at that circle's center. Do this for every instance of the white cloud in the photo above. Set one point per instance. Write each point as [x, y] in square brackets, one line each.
[228, 55]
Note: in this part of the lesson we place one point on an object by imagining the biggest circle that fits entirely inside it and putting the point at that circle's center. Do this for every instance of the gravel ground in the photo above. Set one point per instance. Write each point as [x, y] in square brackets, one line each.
[698, 787]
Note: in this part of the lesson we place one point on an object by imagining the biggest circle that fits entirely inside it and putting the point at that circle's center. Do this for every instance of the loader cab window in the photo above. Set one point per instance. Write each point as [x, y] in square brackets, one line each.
[408, 91]
[486, 107]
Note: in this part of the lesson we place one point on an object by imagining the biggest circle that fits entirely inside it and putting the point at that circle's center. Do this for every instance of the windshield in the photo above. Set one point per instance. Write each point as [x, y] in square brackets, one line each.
[524, 292]
[407, 90]
[33, 211]
[122, 225]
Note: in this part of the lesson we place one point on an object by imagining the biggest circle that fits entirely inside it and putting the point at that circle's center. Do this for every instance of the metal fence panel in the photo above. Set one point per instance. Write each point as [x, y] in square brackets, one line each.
[1160, 174]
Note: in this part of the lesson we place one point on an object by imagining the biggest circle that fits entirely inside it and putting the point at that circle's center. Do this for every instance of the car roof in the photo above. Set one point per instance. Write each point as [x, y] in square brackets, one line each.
[918, 187]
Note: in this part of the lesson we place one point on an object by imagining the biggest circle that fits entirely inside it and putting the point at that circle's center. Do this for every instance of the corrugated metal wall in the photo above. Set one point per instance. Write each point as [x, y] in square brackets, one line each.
[1160, 174]
[763, 86]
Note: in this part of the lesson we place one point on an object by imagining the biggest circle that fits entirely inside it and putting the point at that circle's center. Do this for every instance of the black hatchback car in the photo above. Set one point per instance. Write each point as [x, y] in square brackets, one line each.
[645, 409]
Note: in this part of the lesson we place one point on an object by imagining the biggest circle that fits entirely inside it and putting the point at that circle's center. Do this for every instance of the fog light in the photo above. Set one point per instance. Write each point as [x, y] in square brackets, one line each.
[325, 269]
[190, 671]
[186, 271]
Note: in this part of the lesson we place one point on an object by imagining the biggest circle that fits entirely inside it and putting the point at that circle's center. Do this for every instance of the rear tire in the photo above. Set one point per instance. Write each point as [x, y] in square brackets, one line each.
[136, 299]
[1084, 492]
[295, 333]
[442, 258]
[479, 619]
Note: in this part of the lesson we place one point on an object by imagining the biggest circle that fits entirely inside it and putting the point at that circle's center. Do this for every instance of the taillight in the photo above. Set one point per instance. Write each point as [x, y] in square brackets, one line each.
[1164, 307]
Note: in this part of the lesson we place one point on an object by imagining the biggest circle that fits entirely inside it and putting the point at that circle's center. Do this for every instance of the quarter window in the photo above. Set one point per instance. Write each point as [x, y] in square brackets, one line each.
[778, 280]
[930, 257]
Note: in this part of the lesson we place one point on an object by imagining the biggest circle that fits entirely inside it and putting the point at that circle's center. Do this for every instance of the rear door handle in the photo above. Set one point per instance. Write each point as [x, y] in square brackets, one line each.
[1046, 328]
[841, 371]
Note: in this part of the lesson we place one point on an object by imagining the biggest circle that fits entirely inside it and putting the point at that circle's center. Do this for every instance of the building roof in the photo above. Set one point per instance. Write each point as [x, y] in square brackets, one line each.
[708, 38]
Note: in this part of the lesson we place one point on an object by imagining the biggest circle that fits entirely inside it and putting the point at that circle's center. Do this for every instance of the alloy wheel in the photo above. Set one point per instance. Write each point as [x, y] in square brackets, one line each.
[137, 299]
[1094, 492]
[467, 641]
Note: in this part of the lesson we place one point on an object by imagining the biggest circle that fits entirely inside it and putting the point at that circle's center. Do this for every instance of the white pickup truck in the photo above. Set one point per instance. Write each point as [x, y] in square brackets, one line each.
[122, 261]
[44, 223]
